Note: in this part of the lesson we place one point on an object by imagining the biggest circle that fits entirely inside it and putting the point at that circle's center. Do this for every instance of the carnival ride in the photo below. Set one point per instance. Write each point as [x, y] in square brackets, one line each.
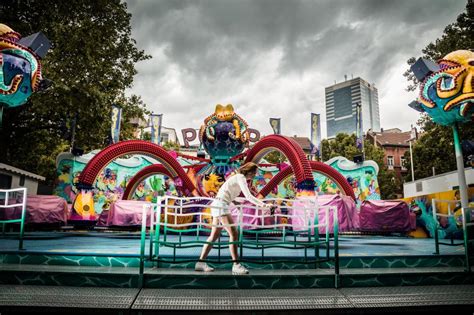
[20, 67]
[224, 136]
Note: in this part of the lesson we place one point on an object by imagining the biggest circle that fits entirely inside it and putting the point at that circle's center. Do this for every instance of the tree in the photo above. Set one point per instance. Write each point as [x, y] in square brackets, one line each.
[171, 146]
[275, 157]
[91, 62]
[345, 145]
[456, 36]
[435, 148]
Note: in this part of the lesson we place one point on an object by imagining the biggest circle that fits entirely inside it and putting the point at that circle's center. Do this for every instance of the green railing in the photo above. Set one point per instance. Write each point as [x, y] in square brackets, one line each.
[11, 199]
[180, 223]
[468, 233]
[467, 229]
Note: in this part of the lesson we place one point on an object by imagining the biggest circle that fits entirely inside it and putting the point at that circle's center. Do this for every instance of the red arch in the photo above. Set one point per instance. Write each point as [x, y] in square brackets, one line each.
[316, 166]
[298, 161]
[104, 157]
[141, 176]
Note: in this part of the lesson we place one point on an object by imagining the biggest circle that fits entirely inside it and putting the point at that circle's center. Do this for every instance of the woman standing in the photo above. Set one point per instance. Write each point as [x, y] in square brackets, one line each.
[230, 190]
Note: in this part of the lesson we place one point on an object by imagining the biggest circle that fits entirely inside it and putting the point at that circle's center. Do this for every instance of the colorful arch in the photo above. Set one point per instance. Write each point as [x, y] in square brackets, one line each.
[104, 157]
[318, 167]
[142, 175]
[300, 165]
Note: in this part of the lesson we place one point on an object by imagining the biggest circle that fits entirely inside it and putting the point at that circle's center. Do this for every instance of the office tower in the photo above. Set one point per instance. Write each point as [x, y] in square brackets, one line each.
[341, 102]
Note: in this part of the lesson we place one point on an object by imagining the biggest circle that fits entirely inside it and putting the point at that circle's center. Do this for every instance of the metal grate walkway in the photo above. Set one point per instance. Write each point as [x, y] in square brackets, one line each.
[14, 299]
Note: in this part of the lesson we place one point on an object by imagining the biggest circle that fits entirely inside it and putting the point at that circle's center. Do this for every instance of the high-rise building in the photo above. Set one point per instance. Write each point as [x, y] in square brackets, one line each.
[341, 101]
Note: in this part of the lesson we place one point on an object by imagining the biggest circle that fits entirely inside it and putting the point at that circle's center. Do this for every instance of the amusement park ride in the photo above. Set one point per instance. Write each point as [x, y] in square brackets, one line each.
[224, 136]
[299, 250]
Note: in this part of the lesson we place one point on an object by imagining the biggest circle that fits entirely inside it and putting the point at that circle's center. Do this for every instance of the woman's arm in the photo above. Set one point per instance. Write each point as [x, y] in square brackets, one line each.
[248, 195]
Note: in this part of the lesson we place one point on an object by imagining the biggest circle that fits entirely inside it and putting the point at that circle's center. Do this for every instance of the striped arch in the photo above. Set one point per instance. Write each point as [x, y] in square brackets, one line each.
[296, 156]
[143, 174]
[318, 167]
[110, 153]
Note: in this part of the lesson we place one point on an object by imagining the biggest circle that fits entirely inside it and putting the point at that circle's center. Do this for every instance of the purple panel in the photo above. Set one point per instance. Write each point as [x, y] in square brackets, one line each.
[252, 219]
[385, 215]
[346, 213]
[39, 209]
[127, 213]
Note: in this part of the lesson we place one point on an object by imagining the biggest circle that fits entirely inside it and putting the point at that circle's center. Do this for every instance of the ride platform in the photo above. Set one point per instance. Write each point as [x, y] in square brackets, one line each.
[101, 270]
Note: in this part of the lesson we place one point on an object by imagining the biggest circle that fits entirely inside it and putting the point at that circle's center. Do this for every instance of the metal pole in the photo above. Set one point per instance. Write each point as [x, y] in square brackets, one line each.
[142, 246]
[460, 165]
[411, 164]
[1, 115]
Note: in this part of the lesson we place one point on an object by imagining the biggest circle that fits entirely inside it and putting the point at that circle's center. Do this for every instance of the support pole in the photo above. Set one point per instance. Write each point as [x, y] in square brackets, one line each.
[411, 164]
[460, 165]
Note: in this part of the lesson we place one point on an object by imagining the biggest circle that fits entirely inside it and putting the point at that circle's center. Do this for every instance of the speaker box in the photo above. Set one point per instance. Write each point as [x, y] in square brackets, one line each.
[38, 42]
[416, 106]
[359, 158]
[423, 68]
[77, 151]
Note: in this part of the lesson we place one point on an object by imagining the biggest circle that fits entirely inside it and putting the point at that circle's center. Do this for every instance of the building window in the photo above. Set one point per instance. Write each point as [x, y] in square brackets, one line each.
[5, 181]
[419, 186]
[22, 180]
[402, 163]
[390, 162]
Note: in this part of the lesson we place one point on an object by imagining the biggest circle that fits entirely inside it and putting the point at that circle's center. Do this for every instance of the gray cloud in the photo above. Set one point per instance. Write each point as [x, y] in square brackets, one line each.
[274, 57]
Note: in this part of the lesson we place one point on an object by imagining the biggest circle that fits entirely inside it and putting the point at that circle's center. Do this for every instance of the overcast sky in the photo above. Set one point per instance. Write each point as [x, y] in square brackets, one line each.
[273, 58]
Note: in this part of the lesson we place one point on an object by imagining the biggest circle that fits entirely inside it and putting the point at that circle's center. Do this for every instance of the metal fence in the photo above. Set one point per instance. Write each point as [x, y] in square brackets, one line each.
[467, 217]
[13, 199]
[182, 223]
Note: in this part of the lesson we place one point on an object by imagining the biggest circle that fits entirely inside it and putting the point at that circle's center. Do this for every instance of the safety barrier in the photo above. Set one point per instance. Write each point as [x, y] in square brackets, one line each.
[11, 199]
[181, 223]
[468, 233]
[467, 217]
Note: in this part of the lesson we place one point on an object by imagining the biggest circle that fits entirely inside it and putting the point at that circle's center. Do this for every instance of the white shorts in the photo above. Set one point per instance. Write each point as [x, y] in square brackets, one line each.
[219, 208]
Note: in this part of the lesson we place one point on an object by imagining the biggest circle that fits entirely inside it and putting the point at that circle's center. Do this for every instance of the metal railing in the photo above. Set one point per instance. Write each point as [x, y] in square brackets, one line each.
[180, 223]
[468, 233]
[467, 228]
[10, 199]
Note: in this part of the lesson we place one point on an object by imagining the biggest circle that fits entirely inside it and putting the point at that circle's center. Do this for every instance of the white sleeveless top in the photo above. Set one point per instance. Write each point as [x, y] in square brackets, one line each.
[232, 188]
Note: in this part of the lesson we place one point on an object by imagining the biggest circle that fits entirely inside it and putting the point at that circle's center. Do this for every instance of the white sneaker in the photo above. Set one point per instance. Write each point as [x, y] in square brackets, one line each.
[238, 269]
[202, 266]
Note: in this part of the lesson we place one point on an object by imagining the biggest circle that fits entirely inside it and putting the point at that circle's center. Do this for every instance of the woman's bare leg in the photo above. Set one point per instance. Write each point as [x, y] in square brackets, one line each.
[232, 231]
[215, 232]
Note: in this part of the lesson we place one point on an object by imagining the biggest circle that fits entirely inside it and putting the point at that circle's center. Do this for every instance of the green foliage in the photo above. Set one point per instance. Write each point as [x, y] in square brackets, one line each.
[435, 148]
[456, 36]
[275, 157]
[171, 146]
[91, 63]
[345, 145]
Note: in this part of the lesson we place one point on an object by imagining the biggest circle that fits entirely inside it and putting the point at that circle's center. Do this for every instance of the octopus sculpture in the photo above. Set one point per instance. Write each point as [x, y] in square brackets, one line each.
[222, 114]
[447, 95]
[20, 67]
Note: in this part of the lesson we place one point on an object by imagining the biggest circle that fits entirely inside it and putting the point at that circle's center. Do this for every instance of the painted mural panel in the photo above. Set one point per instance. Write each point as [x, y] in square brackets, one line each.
[111, 182]
[362, 177]
[422, 206]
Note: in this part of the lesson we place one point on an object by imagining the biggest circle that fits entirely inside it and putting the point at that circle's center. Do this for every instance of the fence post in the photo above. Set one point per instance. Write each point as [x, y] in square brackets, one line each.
[336, 248]
[22, 222]
[435, 217]
[465, 227]
[142, 246]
